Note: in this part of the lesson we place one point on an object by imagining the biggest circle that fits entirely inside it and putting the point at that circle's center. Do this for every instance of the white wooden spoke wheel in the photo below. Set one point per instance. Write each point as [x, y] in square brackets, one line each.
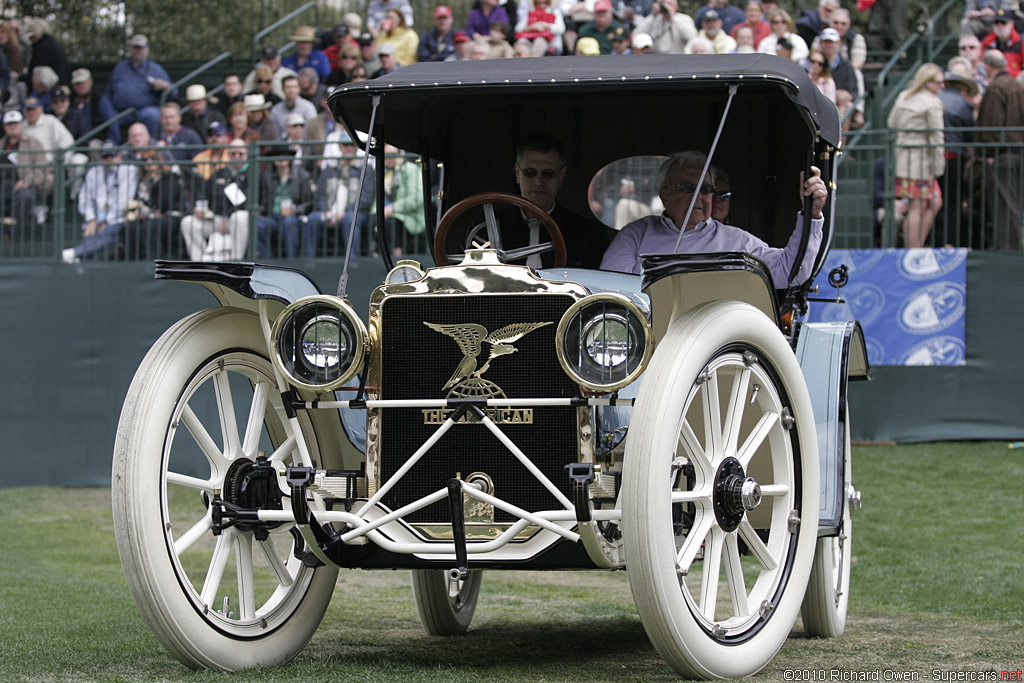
[445, 610]
[202, 405]
[720, 492]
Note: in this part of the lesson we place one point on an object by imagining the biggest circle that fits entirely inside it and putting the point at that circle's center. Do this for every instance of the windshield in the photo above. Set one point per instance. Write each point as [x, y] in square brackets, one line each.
[625, 190]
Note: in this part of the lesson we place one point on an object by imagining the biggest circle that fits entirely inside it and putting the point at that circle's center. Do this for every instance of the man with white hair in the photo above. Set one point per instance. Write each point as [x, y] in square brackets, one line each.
[678, 180]
[719, 41]
[47, 129]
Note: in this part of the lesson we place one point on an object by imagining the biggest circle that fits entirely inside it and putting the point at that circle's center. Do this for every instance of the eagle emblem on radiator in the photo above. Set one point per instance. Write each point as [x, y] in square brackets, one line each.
[467, 380]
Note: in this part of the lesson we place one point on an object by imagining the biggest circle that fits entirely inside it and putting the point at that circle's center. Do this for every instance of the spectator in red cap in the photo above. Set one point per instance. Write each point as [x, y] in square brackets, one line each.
[436, 44]
[603, 28]
[482, 16]
[541, 29]
[460, 43]
[1004, 37]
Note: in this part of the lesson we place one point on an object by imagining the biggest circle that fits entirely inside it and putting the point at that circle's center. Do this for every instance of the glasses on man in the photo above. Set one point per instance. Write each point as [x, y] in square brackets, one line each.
[969, 47]
[723, 196]
[546, 173]
[264, 80]
[688, 188]
[348, 56]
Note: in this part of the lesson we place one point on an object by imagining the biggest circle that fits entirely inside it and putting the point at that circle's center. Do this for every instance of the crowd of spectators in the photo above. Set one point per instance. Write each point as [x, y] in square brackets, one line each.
[205, 142]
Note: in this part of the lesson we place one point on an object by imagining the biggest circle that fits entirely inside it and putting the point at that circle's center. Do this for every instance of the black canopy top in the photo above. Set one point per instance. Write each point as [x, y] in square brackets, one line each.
[420, 101]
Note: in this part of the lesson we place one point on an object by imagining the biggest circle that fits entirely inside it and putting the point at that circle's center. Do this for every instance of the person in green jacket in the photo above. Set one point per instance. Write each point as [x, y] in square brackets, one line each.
[404, 220]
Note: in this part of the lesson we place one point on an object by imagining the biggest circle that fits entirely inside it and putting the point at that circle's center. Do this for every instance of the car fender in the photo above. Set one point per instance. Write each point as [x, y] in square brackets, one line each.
[244, 286]
[830, 354]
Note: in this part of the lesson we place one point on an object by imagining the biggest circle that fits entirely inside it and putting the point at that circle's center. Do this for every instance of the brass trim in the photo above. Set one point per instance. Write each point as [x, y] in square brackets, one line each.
[481, 274]
[633, 309]
[359, 357]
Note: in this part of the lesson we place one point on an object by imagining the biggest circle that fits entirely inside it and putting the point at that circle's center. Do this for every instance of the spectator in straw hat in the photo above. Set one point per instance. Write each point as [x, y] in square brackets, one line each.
[305, 55]
[259, 119]
[199, 115]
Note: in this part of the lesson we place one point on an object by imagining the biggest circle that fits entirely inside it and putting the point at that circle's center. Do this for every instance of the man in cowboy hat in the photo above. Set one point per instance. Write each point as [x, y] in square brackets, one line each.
[305, 55]
[199, 115]
[259, 119]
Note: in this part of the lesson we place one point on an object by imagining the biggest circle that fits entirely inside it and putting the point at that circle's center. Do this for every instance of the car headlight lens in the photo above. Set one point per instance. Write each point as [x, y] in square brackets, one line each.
[604, 342]
[319, 343]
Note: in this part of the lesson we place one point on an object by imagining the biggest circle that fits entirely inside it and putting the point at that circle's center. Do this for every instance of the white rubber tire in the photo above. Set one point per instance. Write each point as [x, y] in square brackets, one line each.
[194, 376]
[440, 613]
[828, 589]
[727, 361]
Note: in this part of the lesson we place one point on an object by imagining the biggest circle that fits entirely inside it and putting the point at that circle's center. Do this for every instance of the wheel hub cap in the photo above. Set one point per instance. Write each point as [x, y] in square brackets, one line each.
[735, 494]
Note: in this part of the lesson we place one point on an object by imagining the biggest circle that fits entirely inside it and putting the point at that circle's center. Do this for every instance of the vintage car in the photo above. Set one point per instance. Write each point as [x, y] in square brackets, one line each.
[682, 423]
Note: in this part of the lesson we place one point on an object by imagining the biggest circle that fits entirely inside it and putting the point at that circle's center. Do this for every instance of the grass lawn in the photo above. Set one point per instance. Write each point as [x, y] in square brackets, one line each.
[936, 587]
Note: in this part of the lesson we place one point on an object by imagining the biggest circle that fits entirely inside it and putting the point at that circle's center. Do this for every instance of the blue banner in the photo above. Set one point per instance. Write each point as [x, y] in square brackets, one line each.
[912, 303]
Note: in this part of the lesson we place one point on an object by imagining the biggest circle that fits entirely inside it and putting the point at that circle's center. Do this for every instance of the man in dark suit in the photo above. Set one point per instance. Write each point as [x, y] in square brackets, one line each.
[540, 171]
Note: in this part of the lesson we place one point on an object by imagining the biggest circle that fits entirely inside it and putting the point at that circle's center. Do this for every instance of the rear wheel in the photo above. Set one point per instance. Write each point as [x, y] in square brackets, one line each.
[202, 405]
[720, 492]
[441, 613]
[828, 590]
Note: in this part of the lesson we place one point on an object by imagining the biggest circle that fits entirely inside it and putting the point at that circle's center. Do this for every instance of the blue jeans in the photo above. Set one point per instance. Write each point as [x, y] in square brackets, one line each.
[104, 243]
[288, 229]
[147, 115]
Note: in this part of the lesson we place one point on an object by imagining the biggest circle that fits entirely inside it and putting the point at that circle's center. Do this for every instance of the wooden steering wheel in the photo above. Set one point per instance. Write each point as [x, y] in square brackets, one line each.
[488, 199]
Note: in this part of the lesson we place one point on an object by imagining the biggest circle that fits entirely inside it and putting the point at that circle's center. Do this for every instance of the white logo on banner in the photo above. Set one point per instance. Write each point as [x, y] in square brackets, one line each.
[862, 260]
[929, 264]
[932, 308]
[936, 351]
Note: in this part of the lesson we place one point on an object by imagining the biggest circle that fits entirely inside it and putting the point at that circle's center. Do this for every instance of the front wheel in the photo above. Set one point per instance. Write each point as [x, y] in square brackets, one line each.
[441, 612]
[203, 405]
[720, 492]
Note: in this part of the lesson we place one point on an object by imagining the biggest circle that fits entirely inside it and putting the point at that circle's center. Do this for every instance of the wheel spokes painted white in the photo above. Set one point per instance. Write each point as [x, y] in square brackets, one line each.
[734, 577]
[205, 442]
[713, 446]
[198, 530]
[691, 446]
[254, 427]
[712, 569]
[734, 411]
[701, 525]
[226, 410]
[246, 582]
[277, 565]
[191, 482]
[756, 438]
[284, 450]
[219, 560]
[756, 546]
[696, 496]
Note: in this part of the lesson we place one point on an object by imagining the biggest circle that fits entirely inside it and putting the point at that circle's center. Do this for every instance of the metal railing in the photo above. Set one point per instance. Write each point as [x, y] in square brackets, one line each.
[281, 22]
[44, 224]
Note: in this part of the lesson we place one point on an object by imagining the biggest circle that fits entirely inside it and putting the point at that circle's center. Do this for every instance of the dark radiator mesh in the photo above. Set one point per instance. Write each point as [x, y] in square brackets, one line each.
[417, 363]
